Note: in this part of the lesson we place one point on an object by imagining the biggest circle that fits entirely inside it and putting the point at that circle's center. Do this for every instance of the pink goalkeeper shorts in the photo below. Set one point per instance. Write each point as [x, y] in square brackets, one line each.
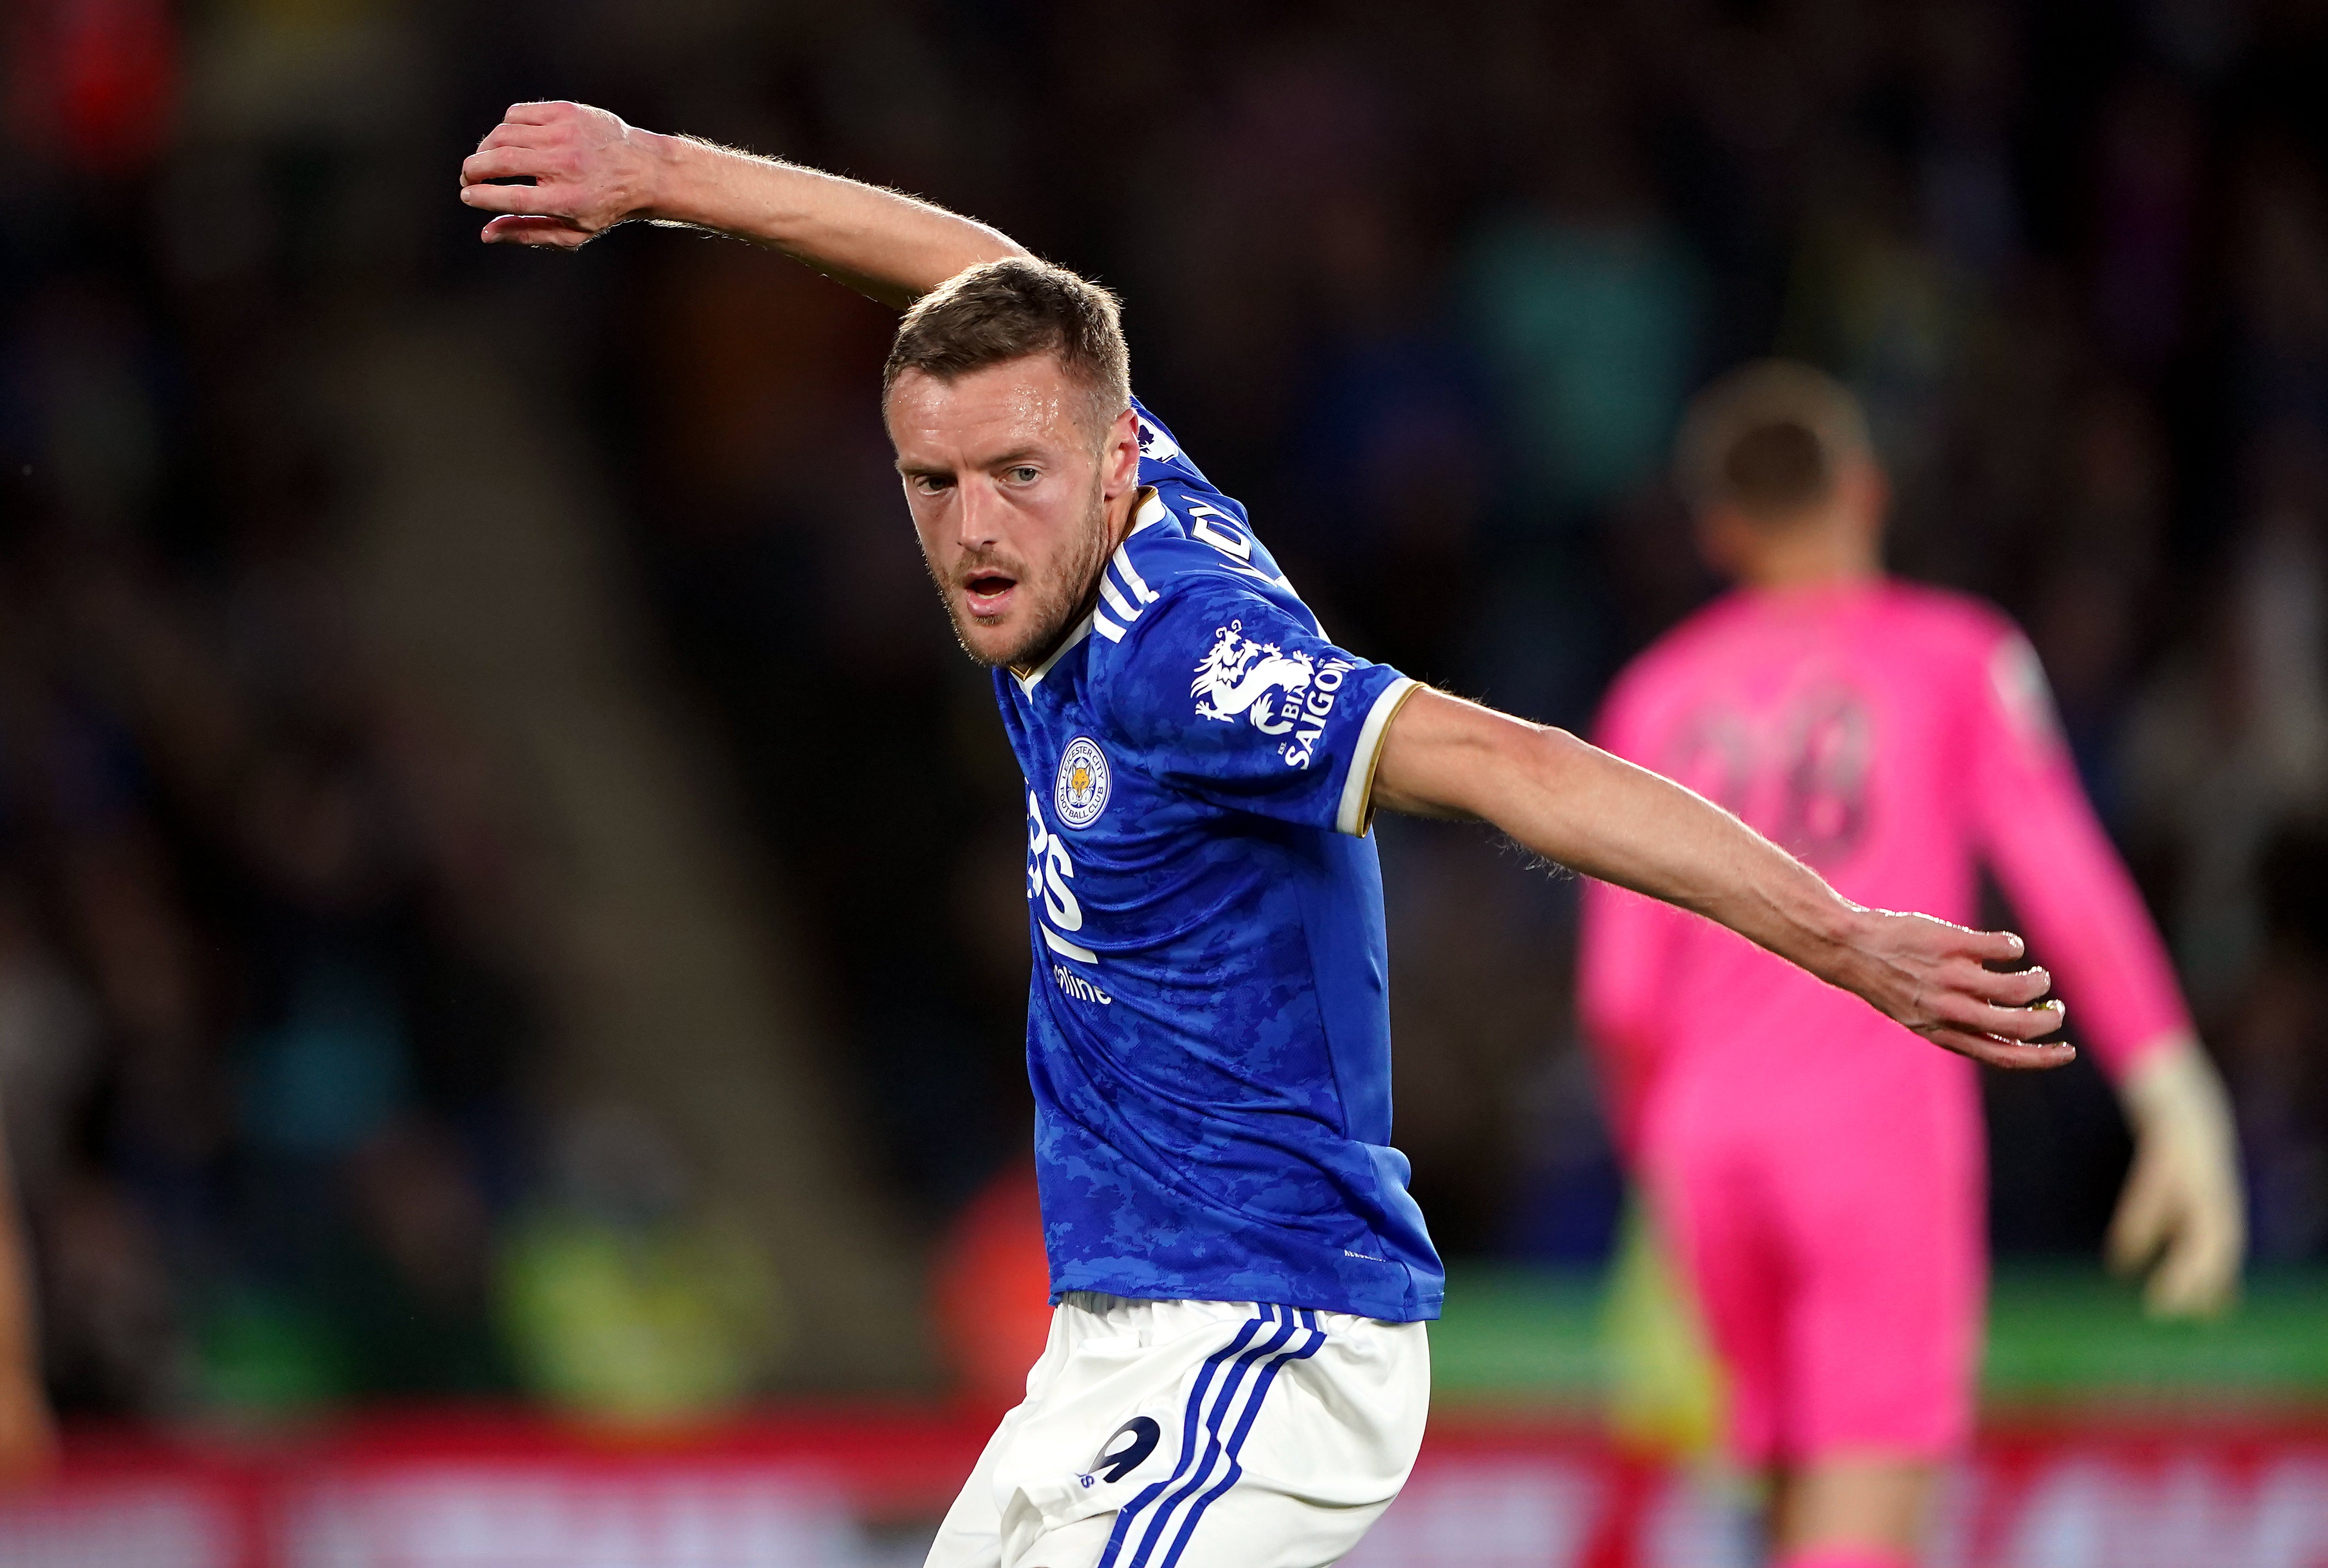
[1836, 1243]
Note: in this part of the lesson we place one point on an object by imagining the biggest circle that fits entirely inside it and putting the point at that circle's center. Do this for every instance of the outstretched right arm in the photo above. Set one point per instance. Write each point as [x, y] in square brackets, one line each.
[1576, 805]
[591, 171]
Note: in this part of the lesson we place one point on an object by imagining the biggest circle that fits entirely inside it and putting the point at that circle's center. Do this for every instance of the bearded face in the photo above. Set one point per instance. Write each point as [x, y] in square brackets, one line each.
[1012, 611]
[1010, 489]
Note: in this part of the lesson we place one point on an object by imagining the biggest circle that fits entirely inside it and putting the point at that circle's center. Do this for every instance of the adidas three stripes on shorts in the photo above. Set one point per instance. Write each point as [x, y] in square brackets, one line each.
[1196, 1434]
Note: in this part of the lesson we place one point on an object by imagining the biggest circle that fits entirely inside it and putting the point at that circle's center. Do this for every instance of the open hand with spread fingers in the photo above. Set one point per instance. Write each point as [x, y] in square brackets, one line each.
[590, 172]
[1934, 978]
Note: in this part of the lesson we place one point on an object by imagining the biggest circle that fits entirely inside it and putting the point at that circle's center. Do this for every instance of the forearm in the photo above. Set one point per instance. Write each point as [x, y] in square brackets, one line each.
[1578, 806]
[1597, 814]
[892, 247]
[559, 174]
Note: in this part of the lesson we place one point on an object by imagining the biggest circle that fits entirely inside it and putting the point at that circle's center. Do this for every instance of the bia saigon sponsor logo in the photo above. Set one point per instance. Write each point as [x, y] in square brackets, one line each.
[1079, 791]
[1278, 692]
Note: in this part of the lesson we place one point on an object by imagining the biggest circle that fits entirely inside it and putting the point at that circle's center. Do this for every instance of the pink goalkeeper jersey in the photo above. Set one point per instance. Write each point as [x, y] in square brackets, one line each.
[1896, 738]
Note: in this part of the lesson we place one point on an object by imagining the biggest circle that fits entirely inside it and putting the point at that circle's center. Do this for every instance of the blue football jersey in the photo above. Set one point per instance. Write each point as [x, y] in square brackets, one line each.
[1208, 1022]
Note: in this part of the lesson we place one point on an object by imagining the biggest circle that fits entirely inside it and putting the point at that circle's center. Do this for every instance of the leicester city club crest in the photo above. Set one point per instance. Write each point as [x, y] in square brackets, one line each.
[1081, 792]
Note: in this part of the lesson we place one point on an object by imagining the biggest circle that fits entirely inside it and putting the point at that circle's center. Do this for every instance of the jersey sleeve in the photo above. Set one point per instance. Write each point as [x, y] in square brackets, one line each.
[2082, 914]
[1239, 700]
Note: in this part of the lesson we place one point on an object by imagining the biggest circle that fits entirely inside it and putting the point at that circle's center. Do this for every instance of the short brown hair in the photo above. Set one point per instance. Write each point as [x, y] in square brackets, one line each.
[1768, 439]
[1006, 310]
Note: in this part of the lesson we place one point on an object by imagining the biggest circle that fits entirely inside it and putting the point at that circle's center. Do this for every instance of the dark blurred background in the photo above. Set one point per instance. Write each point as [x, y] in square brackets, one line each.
[507, 885]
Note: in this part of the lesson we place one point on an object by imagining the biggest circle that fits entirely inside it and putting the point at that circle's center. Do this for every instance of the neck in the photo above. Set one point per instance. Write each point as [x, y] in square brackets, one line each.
[1811, 556]
[1120, 512]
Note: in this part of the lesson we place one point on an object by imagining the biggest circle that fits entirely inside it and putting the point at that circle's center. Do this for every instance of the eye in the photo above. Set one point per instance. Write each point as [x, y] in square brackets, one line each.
[930, 484]
[1025, 473]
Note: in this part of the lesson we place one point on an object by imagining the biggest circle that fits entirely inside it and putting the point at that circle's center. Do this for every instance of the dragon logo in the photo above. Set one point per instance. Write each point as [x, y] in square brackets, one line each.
[1254, 679]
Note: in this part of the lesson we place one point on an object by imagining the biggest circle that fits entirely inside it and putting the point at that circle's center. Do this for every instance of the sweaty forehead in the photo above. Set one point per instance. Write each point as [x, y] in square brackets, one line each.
[1009, 407]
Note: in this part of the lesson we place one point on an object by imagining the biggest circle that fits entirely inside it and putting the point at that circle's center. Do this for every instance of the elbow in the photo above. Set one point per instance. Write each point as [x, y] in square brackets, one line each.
[1564, 748]
[993, 246]
[1513, 762]
[1547, 753]
[1445, 757]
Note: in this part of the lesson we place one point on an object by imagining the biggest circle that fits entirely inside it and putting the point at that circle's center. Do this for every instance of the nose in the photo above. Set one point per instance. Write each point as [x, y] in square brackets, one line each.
[978, 516]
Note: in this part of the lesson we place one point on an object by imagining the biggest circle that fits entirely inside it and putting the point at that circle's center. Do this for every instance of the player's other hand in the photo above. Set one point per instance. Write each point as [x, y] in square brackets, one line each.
[2183, 1214]
[1934, 978]
[590, 172]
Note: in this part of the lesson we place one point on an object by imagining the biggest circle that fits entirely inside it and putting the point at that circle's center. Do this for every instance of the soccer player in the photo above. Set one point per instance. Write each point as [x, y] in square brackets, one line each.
[1817, 1171]
[1237, 1372]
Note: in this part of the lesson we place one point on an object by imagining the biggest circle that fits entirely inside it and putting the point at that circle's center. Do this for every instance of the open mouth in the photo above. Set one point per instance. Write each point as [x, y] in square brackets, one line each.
[987, 592]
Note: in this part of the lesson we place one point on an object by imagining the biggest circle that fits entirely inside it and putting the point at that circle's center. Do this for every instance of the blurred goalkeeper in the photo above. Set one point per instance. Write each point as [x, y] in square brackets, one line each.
[1825, 1204]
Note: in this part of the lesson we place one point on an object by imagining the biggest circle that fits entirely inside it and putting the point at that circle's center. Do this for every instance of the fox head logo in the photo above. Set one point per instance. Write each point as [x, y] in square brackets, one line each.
[1081, 789]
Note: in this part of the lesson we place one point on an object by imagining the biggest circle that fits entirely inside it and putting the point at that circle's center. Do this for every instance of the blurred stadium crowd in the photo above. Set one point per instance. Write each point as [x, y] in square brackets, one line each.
[1426, 287]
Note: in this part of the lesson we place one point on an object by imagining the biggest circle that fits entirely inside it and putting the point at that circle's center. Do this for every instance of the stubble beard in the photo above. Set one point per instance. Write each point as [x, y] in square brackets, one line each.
[1053, 605]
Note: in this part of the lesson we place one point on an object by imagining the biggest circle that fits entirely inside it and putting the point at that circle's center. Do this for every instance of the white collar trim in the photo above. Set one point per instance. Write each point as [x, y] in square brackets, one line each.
[1152, 512]
[1033, 679]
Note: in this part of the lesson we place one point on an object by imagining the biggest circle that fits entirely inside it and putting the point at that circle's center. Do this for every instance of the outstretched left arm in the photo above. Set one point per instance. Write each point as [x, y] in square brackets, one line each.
[1575, 804]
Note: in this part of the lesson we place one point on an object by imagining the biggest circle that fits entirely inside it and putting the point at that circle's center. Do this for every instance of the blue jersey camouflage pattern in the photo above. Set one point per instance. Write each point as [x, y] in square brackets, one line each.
[1208, 1025]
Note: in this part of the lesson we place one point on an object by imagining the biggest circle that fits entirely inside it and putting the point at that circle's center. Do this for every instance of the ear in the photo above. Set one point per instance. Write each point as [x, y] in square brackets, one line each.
[1119, 459]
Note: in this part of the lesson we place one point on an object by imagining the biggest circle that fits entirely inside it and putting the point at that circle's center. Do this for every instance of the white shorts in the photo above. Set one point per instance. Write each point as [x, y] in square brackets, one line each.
[1195, 1435]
